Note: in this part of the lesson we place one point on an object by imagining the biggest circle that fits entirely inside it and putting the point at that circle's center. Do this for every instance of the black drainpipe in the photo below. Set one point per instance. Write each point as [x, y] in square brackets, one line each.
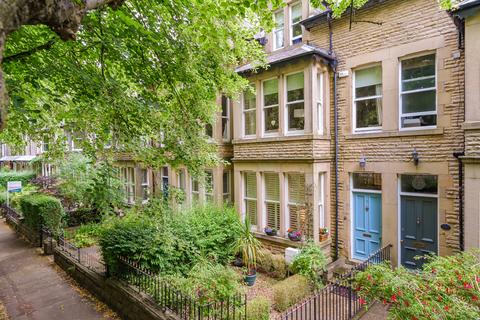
[334, 64]
[461, 235]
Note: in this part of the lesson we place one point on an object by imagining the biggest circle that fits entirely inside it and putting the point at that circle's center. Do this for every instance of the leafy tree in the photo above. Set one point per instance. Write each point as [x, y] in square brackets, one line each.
[447, 288]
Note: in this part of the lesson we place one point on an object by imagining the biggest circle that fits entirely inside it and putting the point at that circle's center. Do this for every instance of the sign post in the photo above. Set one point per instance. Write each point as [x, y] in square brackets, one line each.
[13, 186]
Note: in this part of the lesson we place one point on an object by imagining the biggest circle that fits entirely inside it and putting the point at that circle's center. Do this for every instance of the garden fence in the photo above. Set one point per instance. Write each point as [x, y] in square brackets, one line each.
[338, 300]
[88, 257]
[172, 300]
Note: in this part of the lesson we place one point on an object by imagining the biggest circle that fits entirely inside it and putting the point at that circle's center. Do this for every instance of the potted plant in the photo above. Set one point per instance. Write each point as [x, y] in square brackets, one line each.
[324, 234]
[270, 231]
[249, 247]
[294, 235]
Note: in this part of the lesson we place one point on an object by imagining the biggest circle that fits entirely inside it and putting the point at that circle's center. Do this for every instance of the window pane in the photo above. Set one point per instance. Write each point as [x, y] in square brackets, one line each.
[209, 181]
[296, 116]
[296, 32]
[296, 13]
[419, 183]
[225, 128]
[271, 119]
[295, 84]
[368, 77]
[419, 102]
[368, 181]
[250, 123]
[251, 185]
[251, 211]
[279, 38]
[279, 19]
[270, 92]
[296, 188]
[272, 187]
[418, 67]
[226, 182]
[419, 121]
[224, 106]
[165, 171]
[249, 100]
[369, 113]
[370, 91]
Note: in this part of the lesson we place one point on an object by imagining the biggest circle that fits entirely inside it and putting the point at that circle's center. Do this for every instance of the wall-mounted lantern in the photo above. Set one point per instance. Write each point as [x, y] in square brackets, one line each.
[415, 156]
[362, 162]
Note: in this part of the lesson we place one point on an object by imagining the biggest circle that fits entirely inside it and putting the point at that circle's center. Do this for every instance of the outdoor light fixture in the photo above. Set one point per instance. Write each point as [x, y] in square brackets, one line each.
[415, 156]
[363, 162]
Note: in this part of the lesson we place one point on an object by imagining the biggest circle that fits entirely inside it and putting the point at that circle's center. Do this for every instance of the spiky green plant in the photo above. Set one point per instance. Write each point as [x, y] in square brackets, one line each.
[248, 246]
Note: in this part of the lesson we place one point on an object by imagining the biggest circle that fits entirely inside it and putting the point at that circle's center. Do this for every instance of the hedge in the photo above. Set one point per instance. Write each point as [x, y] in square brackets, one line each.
[41, 209]
[290, 291]
[23, 176]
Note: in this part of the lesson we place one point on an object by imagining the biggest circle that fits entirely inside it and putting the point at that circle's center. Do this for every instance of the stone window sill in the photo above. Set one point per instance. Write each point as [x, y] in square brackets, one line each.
[281, 138]
[394, 134]
[286, 242]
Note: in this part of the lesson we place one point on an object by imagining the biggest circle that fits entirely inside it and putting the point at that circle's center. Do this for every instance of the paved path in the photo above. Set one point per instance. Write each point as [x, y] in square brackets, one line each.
[376, 312]
[31, 288]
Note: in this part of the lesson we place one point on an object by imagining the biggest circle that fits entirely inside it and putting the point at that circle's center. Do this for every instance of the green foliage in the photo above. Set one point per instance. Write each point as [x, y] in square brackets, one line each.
[85, 236]
[82, 216]
[40, 209]
[311, 262]
[272, 264]
[172, 243]
[208, 282]
[446, 288]
[288, 292]
[248, 246]
[23, 176]
[258, 309]
[83, 183]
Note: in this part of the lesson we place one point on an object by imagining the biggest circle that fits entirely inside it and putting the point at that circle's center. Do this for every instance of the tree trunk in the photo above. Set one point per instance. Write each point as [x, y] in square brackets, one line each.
[64, 17]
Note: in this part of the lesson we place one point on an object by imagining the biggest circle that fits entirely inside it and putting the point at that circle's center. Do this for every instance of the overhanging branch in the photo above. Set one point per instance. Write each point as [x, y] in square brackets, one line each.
[28, 53]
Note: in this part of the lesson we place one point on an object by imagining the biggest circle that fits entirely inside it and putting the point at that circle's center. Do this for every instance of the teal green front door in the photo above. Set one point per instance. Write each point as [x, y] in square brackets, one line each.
[367, 224]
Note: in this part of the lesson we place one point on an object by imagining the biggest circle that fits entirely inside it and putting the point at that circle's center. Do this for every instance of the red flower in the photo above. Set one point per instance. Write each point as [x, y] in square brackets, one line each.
[446, 308]
[434, 270]
[384, 302]
[393, 298]
[407, 304]
[369, 277]
[467, 285]
[362, 301]
[477, 279]
[474, 298]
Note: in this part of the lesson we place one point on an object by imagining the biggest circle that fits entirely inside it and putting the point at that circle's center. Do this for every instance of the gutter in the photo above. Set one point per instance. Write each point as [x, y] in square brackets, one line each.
[461, 236]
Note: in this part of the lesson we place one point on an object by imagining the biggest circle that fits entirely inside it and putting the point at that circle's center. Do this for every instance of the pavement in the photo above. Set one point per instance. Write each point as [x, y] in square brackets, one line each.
[376, 312]
[31, 287]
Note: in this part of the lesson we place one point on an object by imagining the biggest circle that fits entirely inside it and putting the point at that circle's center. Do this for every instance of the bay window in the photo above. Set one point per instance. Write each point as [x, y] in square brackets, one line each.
[270, 106]
[225, 118]
[367, 103]
[249, 113]
[296, 200]
[272, 200]
[295, 102]
[250, 197]
[295, 26]
[278, 32]
[418, 93]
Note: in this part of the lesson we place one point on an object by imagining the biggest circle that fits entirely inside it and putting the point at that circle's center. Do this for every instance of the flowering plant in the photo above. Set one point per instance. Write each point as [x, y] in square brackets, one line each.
[270, 231]
[323, 230]
[294, 235]
[446, 288]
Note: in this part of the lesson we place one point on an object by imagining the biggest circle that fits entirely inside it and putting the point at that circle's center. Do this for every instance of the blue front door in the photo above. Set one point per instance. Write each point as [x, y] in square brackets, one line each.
[367, 229]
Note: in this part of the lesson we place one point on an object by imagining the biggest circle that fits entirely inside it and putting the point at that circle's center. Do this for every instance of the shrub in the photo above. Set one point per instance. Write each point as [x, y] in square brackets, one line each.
[40, 209]
[23, 176]
[447, 288]
[172, 243]
[290, 291]
[85, 236]
[272, 264]
[82, 216]
[310, 263]
[258, 309]
[209, 281]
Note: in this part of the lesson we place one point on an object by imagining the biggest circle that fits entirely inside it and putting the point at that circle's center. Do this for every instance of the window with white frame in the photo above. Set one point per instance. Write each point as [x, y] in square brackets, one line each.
[226, 186]
[320, 109]
[367, 103]
[250, 197]
[195, 190]
[272, 200]
[321, 200]
[127, 176]
[418, 92]
[209, 185]
[296, 200]
[181, 176]
[145, 185]
[165, 182]
[270, 106]
[76, 141]
[295, 102]
[249, 113]
[295, 26]
[225, 118]
[279, 31]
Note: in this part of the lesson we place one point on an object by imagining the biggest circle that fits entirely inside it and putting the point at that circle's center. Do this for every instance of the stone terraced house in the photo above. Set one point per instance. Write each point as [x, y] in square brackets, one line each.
[358, 126]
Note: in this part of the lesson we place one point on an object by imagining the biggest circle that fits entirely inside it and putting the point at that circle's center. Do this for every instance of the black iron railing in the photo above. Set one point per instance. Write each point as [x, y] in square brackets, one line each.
[15, 220]
[338, 299]
[173, 300]
[88, 257]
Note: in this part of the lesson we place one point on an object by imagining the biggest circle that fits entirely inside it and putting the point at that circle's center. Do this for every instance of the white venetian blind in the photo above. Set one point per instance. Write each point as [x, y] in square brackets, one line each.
[296, 198]
[272, 200]
[250, 197]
